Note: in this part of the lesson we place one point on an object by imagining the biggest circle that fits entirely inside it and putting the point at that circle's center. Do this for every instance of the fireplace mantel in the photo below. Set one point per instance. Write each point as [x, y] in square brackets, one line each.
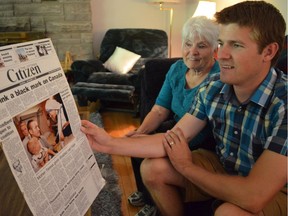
[7, 38]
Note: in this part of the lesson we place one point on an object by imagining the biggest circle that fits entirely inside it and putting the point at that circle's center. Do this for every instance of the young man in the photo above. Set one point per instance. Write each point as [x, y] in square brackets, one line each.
[35, 131]
[247, 110]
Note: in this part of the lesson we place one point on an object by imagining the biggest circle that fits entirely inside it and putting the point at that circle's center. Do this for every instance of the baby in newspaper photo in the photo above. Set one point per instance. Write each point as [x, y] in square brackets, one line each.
[40, 155]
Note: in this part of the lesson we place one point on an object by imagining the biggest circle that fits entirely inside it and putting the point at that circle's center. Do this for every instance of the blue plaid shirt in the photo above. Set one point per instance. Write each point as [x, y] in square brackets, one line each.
[244, 130]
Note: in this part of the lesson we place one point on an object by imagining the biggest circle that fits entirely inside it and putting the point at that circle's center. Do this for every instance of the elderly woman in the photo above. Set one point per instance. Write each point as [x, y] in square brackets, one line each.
[199, 47]
[56, 113]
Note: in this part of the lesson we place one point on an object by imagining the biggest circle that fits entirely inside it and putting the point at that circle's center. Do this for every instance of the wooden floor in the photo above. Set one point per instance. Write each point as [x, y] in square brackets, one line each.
[118, 124]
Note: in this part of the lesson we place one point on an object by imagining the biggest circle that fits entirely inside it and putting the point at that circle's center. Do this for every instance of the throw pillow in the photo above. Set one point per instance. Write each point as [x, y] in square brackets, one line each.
[121, 61]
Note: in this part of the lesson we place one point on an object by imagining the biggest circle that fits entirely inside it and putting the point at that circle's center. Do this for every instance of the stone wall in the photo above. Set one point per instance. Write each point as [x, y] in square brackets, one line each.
[66, 22]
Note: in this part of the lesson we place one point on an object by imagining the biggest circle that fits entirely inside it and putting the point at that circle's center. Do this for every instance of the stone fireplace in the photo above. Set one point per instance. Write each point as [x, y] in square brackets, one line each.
[66, 22]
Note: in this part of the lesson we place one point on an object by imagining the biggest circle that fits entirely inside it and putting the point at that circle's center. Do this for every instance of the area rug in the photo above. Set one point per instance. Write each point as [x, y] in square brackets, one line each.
[108, 201]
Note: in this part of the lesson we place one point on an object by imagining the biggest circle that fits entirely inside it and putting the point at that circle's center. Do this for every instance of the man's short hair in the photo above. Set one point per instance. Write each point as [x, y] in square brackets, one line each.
[265, 20]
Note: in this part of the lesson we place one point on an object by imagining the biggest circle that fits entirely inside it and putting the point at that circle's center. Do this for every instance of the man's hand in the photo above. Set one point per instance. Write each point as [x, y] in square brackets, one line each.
[98, 138]
[46, 157]
[177, 149]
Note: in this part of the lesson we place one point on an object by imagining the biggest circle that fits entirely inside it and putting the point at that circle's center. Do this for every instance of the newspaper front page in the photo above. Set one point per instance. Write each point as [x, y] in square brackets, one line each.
[49, 156]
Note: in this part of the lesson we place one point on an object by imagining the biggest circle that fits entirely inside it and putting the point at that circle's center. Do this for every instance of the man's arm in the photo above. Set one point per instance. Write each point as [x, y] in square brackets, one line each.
[190, 126]
[140, 146]
[251, 193]
[149, 146]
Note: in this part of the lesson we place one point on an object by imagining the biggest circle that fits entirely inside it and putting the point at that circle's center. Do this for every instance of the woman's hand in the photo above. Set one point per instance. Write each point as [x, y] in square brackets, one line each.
[177, 149]
[132, 133]
[135, 133]
[98, 138]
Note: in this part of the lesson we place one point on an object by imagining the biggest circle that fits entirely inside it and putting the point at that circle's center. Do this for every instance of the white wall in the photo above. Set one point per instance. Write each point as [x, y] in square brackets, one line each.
[108, 14]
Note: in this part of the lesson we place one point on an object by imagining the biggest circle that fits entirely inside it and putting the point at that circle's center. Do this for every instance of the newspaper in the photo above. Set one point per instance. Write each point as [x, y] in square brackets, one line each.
[53, 165]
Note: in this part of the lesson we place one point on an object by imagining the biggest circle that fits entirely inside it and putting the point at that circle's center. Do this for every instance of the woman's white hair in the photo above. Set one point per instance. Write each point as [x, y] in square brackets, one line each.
[52, 104]
[201, 27]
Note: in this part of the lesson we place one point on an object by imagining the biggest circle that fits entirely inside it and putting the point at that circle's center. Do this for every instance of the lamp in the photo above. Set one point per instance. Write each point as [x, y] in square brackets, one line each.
[162, 8]
[205, 8]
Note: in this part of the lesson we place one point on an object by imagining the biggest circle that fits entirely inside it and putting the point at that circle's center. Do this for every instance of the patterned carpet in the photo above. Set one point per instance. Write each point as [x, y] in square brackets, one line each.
[108, 202]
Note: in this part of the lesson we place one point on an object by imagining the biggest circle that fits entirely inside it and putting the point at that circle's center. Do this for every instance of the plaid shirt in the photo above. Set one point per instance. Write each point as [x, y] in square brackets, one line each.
[244, 130]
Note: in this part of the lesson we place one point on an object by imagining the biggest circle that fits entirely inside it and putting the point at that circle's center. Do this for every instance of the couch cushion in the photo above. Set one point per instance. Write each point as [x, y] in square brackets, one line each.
[121, 61]
[110, 78]
[95, 91]
[81, 70]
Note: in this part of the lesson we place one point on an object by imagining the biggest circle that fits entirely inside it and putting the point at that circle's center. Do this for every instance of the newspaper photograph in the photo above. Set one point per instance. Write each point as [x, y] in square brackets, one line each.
[49, 156]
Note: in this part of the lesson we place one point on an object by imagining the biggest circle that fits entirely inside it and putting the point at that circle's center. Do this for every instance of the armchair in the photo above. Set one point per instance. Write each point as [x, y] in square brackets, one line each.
[93, 80]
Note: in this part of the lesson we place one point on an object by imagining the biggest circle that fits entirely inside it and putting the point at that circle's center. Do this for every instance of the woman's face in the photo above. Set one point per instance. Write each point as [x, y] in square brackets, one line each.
[197, 54]
[24, 129]
[53, 115]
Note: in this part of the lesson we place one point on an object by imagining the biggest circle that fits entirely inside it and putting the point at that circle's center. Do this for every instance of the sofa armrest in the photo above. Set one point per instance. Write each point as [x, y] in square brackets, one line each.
[81, 70]
[152, 78]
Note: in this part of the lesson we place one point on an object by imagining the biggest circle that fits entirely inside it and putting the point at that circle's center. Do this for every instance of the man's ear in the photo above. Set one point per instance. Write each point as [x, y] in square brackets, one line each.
[270, 51]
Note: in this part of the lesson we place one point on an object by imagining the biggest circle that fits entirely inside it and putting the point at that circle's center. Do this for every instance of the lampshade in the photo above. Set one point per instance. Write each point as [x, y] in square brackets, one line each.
[205, 8]
[164, 1]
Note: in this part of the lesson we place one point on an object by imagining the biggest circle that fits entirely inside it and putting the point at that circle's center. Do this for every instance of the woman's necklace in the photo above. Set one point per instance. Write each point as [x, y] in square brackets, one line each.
[195, 72]
[194, 78]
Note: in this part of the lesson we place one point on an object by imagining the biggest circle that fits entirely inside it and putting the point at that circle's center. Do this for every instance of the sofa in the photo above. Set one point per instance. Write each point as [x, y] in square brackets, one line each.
[114, 75]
